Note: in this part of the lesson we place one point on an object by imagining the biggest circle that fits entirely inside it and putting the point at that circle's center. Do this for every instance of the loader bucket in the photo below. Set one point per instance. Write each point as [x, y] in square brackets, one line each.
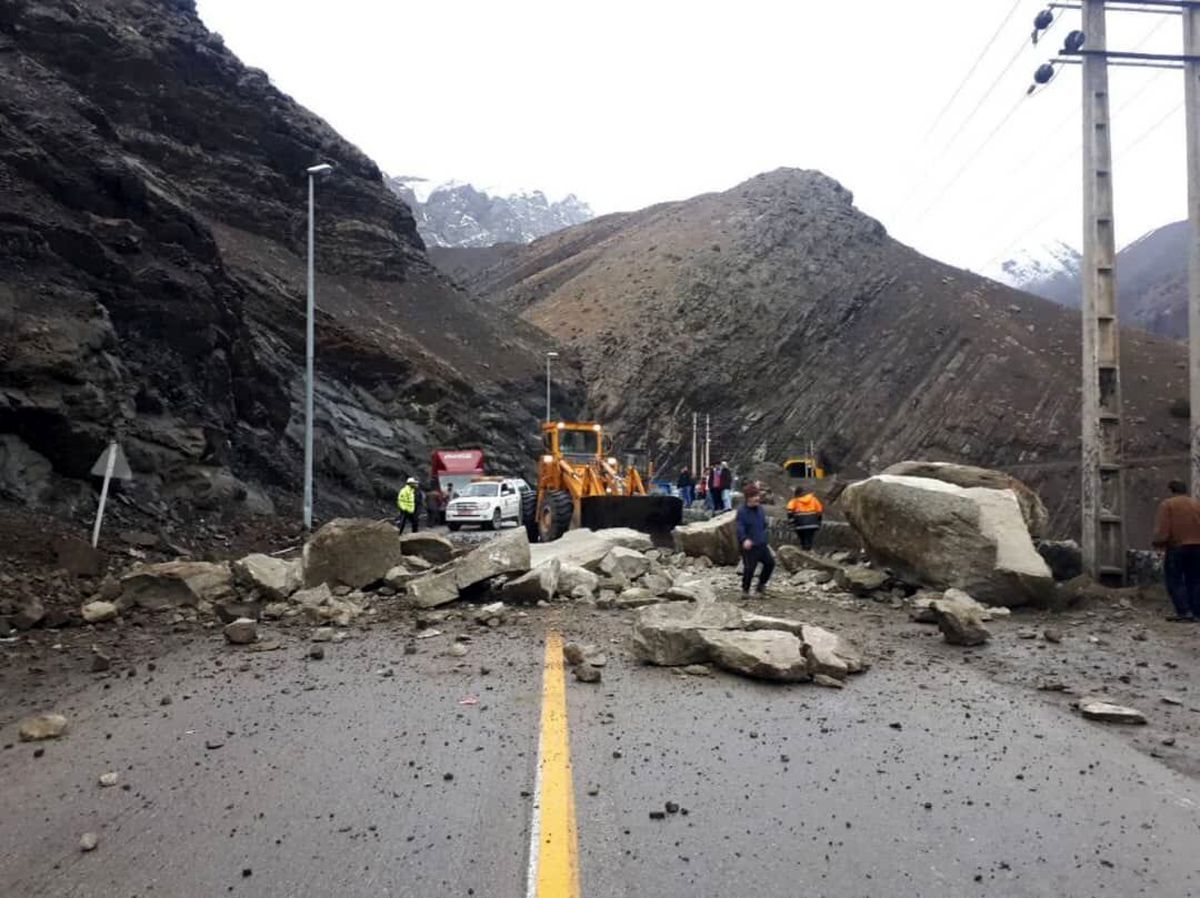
[649, 514]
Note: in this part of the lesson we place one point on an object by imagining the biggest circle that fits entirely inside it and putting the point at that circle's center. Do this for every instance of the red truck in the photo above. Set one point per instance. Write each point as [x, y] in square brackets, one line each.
[453, 469]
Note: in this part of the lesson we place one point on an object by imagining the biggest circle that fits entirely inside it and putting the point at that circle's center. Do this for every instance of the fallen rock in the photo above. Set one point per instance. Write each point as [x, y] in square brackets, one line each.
[714, 539]
[974, 539]
[457, 650]
[656, 583]
[626, 563]
[537, 585]
[98, 612]
[351, 551]
[573, 653]
[1033, 510]
[428, 547]
[668, 634]
[242, 631]
[1101, 709]
[761, 654]
[826, 680]
[108, 779]
[793, 559]
[322, 634]
[29, 614]
[493, 611]
[100, 662]
[274, 578]
[691, 591]
[42, 726]
[401, 575]
[860, 581]
[960, 624]
[229, 610]
[1052, 634]
[275, 610]
[177, 583]
[585, 673]
[88, 842]
[1063, 557]
[77, 557]
[636, 597]
[697, 670]
[586, 548]
[505, 554]
[827, 653]
[572, 577]
[432, 590]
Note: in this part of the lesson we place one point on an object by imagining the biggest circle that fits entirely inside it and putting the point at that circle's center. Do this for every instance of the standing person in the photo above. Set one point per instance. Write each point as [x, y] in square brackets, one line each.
[1177, 531]
[752, 537]
[703, 489]
[804, 511]
[726, 485]
[687, 487]
[434, 506]
[406, 501]
[715, 489]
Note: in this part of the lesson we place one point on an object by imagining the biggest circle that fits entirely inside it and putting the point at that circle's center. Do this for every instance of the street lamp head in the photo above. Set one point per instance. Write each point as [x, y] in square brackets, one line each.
[321, 169]
[551, 355]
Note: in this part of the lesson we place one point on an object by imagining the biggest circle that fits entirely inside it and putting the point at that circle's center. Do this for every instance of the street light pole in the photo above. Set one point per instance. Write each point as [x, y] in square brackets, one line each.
[313, 173]
[549, 355]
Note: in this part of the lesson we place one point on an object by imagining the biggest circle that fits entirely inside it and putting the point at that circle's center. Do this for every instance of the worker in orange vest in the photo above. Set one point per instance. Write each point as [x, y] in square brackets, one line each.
[804, 511]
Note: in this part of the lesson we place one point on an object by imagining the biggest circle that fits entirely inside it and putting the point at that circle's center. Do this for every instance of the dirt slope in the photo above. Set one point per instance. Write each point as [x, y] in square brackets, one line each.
[152, 220]
[790, 316]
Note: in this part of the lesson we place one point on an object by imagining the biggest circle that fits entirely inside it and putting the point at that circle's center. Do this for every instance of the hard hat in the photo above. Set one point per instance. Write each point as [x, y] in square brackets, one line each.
[412, 480]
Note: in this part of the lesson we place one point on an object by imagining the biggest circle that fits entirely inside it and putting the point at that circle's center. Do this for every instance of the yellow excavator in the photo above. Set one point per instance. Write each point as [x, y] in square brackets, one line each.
[581, 483]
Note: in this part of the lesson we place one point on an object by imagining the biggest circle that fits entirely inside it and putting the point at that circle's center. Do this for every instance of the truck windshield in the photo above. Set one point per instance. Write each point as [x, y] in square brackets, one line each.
[577, 442]
[481, 489]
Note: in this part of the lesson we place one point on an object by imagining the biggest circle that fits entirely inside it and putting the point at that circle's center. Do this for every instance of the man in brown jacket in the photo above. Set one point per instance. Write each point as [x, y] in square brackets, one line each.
[1177, 530]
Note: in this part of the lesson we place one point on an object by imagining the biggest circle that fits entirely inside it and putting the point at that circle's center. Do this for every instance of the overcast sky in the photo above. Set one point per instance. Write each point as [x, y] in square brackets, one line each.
[631, 103]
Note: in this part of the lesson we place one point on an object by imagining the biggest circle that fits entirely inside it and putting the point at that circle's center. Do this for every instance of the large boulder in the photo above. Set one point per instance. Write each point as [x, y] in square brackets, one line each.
[761, 654]
[586, 548]
[670, 634]
[1033, 510]
[351, 551]
[175, 583]
[429, 546]
[715, 539]
[943, 535]
[572, 577]
[506, 554]
[830, 654]
[274, 578]
[622, 563]
[431, 590]
[538, 585]
[959, 618]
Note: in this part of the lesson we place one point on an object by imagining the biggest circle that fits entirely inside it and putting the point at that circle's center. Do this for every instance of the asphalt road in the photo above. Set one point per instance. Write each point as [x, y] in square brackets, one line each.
[336, 777]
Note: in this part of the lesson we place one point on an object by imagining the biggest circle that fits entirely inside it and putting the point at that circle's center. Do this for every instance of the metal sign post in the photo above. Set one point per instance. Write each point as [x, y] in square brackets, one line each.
[110, 464]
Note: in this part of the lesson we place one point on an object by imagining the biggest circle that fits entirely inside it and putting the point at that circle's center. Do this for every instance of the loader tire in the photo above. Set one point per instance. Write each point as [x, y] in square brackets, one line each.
[529, 516]
[554, 517]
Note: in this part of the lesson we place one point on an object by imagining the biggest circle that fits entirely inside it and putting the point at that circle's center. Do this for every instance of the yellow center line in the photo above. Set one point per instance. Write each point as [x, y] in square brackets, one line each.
[554, 848]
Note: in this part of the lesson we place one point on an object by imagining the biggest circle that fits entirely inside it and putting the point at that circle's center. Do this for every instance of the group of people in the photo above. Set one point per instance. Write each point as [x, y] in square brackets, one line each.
[714, 487]
[412, 499]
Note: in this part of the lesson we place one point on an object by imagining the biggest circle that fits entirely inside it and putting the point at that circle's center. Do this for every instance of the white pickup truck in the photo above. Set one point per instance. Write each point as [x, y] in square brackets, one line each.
[488, 503]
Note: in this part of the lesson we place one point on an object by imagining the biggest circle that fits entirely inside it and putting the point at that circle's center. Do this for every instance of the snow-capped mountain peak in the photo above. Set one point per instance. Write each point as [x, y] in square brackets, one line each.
[456, 213]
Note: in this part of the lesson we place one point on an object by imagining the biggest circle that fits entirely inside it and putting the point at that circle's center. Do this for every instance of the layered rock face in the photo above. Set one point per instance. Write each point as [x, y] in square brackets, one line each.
[794, 319]
[152, 252]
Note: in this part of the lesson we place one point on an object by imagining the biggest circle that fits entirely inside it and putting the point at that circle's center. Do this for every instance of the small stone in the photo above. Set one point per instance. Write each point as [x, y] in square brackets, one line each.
[658, 815]
[316, 653]
[108, 779]
[1052, 634]
[214, 744]
[672, 807]
[698, 670]
[1171, 700]
[98, 612]
[573, 653]
[42, 726]
[1027, 633]
[1098, 709]
[826, 680]
[323, 634]
[585, 673]
[596, 659]
[447, 776]
[593, 791]
[100, 662]
[458, 650]
[1168, 741]
[88, 842]
[242, 631]
[165, 700]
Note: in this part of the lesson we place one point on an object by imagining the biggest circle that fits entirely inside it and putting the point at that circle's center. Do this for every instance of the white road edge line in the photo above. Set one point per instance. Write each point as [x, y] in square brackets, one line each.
[535, 823]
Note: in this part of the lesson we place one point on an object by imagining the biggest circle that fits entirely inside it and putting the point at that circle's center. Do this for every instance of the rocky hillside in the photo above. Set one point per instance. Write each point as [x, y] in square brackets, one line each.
[456, 214]
[790, 316]
[152, 220]
[1151, 282]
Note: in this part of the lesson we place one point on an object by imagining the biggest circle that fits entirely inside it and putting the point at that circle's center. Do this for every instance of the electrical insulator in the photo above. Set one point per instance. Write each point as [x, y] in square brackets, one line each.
[1044, 20]
[1073, 42]
[1044, 73]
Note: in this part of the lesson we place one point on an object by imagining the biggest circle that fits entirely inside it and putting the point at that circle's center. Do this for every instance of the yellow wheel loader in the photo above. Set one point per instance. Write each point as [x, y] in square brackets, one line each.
[581, 484]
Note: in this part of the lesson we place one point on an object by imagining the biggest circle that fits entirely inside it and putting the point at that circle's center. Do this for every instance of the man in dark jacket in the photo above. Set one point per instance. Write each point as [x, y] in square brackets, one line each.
[687, 487]
[752, 538]
[1177, 531]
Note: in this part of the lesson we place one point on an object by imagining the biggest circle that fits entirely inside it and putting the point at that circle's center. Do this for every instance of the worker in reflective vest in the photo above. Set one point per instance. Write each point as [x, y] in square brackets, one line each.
[406, 501]
[804, 511]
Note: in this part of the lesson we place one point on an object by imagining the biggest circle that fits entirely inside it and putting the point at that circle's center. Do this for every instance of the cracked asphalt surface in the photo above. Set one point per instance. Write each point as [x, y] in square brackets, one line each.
[938, 772]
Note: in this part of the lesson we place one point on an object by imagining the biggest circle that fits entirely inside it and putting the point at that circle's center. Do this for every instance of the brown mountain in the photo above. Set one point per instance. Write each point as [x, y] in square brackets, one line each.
[791, 317]
[152, 282]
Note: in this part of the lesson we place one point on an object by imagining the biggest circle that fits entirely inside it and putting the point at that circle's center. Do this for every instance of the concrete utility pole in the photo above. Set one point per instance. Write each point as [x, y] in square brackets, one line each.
[1191, 98]
[708, 441]
[549, 356]
[1103, 490]
[695, 428]
[313, 172]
